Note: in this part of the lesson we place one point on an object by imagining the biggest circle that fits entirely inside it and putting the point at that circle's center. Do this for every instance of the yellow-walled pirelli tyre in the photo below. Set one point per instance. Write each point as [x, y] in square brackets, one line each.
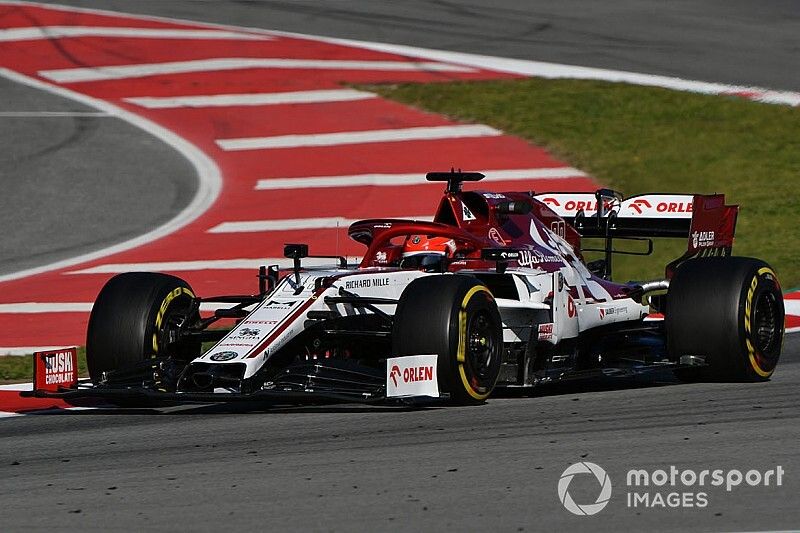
[132, 320]
[728, 310]
[455, 317]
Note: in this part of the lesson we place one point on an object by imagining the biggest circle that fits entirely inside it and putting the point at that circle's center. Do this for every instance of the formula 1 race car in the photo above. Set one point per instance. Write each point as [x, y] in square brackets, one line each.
[494, 292]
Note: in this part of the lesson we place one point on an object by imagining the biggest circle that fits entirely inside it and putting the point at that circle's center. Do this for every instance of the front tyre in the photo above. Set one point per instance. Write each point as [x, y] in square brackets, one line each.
[730, 311]
[134, 318]
[455, 317]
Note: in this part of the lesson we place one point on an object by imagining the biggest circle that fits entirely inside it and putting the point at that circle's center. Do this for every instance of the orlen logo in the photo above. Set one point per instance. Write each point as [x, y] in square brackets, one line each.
[551, 201]
[637, 205]
[674, 207]
[412, 375]
[586, 205]
[420, 373]
[395, 373]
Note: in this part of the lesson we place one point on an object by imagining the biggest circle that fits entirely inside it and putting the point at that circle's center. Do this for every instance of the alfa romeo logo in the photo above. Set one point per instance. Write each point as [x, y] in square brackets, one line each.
[588, 509]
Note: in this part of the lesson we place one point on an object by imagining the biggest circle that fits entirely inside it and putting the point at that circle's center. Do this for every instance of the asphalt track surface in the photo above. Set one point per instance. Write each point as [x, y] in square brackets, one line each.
[737, 42]
[490, 467]
[74, 182]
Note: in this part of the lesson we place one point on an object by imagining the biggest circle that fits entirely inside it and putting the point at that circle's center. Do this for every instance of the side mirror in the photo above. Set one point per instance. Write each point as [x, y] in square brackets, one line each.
[295, 251]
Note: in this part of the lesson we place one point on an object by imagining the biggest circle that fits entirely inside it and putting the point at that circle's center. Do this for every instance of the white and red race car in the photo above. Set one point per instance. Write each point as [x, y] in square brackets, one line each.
[494, 292]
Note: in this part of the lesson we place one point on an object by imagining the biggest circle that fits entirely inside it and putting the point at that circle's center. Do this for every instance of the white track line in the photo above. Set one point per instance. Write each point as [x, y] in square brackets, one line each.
[393, 180]
[206, 264]
[248, 226]
[61, 32]
[19, 386]
[256, 99]
[501, 64]
[24, 350]
[359, 137]
[792, 307]
[45, 307]
[208, 176]
[121, 72]
[541, 69]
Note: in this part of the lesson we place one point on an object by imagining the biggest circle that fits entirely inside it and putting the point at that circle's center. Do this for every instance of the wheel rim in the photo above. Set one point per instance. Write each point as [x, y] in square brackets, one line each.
[766, 330]
[481, 346]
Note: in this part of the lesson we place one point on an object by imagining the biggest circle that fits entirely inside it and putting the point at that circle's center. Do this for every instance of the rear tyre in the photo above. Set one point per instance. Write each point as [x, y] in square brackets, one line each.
[455, 317]
[133, 319]
[730, 311]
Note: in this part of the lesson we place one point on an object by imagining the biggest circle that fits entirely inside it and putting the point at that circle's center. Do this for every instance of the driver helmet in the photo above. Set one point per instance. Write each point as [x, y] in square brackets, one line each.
[426, 252]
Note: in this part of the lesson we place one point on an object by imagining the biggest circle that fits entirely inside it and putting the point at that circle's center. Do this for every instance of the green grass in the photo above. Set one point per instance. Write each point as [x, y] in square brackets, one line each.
[641, 139]
[14, 368]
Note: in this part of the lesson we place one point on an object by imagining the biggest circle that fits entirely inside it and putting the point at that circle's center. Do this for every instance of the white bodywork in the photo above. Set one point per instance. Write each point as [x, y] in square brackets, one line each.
[544, 306]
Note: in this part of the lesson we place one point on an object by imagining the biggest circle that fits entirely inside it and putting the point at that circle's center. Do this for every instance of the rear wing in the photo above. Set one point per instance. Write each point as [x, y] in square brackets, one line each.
[704, 220]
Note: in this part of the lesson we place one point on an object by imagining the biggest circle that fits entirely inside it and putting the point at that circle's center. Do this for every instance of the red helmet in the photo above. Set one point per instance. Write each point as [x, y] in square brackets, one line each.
[427, 252]
[424, 244]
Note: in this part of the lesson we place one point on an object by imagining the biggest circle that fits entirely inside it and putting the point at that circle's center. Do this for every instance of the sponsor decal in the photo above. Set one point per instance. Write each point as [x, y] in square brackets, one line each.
[494, 196]
[395, 374]
[55, 369]
[571, 311]
[579, 205]
[224, 356]
[365, 283]
[237, 344]
[264, 322]
[495, 236]
[274, 304]
[609, 311]
[674, 205]
[414, 375]
[551, 201]
[529, 258]
[380, 257]
[703, 239]
[637, 205]
[248, 332]
[546, 331]
[466, 214]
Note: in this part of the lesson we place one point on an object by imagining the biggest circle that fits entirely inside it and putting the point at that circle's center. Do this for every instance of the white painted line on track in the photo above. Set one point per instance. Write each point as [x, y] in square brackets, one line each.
[121, 72]
[45, 307]
[53, 114]
[254, 99]
[7, 414]
[61, 32]
[208, 176]
[290, 224]
[393, 180]
[359, 137]
[541, 69]
[18, 386]
[207, 264]
[501, 64]
[792, 307]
